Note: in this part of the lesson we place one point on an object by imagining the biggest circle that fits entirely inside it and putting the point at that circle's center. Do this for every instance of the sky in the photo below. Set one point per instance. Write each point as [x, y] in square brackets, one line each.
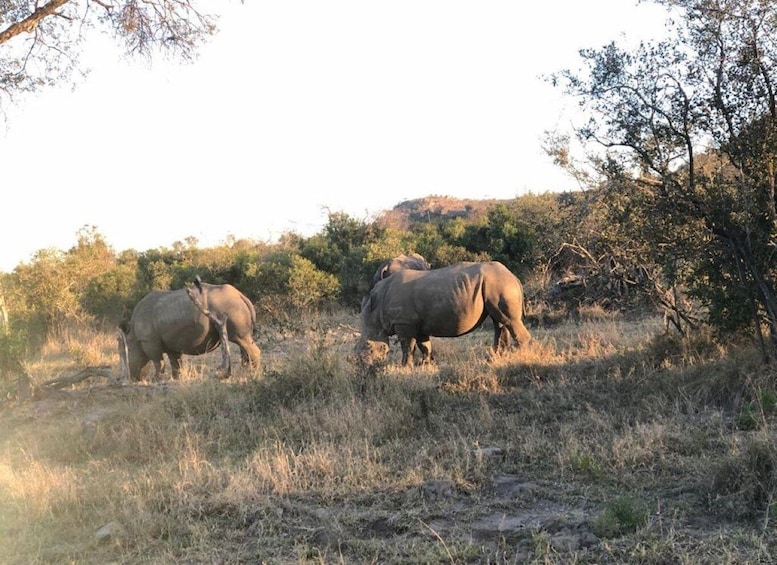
[299, 108]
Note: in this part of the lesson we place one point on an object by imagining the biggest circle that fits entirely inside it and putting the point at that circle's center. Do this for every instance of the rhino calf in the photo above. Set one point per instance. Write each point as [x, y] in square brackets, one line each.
[168, 322]
[449, 302]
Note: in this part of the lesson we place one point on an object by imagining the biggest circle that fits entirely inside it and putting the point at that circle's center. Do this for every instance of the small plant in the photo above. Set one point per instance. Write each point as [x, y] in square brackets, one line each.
[753, 414]
[749, 417]
[585, 463]
[623, 515]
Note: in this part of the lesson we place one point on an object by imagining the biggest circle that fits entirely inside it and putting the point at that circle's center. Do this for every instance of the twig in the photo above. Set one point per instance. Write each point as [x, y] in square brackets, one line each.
[442, 541]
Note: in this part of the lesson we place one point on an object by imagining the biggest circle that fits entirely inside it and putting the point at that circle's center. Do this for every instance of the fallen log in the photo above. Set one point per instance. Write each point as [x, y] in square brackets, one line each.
[102, 371]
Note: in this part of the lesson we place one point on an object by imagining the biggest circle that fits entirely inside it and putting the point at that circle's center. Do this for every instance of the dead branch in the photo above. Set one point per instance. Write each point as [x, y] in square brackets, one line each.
[85, 373]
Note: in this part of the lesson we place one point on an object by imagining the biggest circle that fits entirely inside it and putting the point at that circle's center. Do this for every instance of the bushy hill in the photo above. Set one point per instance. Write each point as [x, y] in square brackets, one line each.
[438, 208]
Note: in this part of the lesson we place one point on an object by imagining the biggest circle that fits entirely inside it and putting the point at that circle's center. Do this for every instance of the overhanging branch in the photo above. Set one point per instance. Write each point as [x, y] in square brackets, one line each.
[28, 24]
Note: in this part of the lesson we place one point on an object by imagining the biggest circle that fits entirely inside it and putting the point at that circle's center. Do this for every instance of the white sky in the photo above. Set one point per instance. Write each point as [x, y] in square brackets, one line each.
[297, 107]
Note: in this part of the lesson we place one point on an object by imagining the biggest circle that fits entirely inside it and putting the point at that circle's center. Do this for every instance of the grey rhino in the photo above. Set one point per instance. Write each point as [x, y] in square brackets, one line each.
[168, 322]
[390, 266]
[413, 261]
[447, 302]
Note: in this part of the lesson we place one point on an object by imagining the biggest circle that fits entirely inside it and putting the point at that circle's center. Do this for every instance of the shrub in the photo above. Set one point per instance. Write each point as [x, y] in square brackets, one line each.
[744, 485]
[621, 516]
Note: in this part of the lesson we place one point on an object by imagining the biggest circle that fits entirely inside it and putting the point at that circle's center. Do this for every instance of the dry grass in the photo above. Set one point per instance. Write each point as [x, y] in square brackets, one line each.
[625, 445]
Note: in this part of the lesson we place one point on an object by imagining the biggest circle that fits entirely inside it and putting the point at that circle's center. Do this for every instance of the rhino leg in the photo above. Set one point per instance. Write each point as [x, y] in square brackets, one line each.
[175, 364]
[501, 338]
[408, 347]
[249, 353]
[425, 347]
[503, 333]
[159, 368]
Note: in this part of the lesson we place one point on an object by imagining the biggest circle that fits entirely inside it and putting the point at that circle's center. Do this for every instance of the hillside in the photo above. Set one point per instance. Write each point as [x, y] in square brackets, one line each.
[432, 208]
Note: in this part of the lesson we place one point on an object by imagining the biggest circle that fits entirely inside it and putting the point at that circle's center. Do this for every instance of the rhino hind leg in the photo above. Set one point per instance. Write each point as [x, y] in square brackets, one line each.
[408, 348]
[250, 354]
[503, 333]
[175, 364]
[425, 347]
[501, 338]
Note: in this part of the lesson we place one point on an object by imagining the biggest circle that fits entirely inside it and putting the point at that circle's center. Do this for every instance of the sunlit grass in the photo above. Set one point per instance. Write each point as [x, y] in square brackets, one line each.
[252, 467]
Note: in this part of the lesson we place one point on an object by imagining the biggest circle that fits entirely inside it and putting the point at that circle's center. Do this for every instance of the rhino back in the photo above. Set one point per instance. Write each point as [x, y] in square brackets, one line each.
[502, 292]
[226, 299]
[171, 319]
[445, 302]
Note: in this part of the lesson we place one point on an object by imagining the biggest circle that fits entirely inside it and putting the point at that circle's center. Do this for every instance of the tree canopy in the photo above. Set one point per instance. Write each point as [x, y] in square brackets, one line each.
[41, 41]
[689, 125]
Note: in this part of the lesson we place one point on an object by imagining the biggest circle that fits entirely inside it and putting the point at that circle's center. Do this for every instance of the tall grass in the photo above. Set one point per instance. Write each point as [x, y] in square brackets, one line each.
[314, 459]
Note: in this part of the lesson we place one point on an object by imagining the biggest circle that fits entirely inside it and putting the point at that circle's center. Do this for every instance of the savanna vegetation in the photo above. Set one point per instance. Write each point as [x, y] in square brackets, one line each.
[611, 438]
[636, 426]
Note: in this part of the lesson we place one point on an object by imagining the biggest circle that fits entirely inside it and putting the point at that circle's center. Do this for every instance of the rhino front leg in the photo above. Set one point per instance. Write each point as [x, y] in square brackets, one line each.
[159, 368]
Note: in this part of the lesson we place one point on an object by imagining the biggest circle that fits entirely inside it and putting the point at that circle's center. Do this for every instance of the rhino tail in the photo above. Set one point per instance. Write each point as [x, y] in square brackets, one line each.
[251, 308]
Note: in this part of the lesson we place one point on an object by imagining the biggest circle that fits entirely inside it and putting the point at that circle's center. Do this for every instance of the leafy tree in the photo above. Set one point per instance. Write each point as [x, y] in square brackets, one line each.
[287, 282]
[441, 246]
[502, 237]
[340, 250]
[689, 124]
[50, 291]
[42, 40]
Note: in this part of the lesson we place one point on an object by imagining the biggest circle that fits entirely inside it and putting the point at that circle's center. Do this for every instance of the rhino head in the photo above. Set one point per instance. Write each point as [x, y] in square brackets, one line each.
[373, 345]
[372, 353]
[132, 359]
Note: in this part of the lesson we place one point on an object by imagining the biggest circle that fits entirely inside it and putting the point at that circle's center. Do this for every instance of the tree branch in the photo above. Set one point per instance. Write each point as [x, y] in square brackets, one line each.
[28, 24]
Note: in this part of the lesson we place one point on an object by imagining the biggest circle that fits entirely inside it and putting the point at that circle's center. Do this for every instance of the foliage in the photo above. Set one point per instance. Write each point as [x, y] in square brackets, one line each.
[623, 515]
[340, 250]
[285, 280]
[689, 125]
[42, 42]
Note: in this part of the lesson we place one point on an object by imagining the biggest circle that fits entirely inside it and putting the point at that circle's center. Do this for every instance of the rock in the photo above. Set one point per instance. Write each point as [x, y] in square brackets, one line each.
[112, 531]
[511, 486]
[482, 452]
[565, 542]
[438, 488]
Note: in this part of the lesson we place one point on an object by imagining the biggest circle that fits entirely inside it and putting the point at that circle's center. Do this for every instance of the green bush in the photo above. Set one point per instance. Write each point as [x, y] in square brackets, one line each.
[621, 516]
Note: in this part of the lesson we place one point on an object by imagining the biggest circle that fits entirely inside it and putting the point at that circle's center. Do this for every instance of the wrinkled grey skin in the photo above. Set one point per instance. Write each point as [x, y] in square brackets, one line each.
[390, 266]
[168, 322]
[447, 302]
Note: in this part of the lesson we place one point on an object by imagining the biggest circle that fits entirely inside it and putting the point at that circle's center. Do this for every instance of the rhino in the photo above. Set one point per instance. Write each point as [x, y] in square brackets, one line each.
[390, 266]
[169, 322]
[447, 302]
[413, 261]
